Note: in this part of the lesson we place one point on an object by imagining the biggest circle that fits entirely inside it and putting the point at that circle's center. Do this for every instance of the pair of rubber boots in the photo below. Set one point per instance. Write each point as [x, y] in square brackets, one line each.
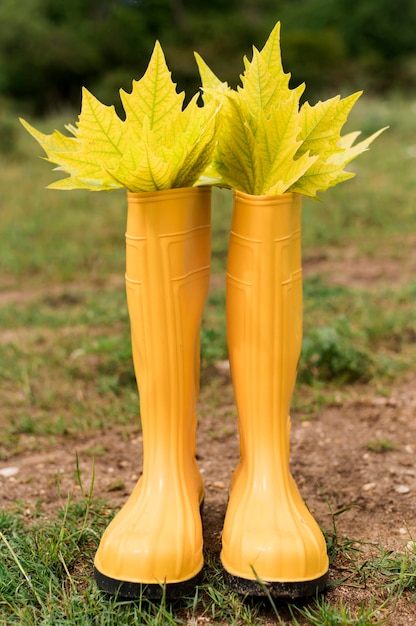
[270, 541]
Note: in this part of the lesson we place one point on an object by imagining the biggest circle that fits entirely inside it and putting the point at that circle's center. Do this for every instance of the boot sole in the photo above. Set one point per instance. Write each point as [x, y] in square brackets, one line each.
[131, 590]
[292, 590]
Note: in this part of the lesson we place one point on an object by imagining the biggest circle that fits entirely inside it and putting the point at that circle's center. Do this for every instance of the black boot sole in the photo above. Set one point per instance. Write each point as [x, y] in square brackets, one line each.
[135, 591]
[288, 590]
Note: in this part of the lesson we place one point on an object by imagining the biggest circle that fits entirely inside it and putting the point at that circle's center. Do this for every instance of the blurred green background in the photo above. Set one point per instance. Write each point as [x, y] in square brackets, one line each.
[50, 48]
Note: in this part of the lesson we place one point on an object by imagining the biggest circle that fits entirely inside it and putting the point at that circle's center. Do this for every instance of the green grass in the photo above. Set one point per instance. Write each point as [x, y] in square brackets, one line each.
[381, 445]
[357, 334]
[46, 578]
[324, 613]
[63, 310]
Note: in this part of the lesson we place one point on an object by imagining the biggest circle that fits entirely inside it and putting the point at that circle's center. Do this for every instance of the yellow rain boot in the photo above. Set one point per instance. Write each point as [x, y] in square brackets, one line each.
[270, 539]
[156, 538]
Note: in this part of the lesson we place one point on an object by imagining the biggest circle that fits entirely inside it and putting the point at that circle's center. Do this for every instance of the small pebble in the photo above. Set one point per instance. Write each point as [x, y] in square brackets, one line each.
[402, 489]
[378, 401]
[223, 366]
[411, 547]
[9, 471]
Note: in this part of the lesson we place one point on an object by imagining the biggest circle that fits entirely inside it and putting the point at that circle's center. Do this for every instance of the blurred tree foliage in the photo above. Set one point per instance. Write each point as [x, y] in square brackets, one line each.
[50, 48]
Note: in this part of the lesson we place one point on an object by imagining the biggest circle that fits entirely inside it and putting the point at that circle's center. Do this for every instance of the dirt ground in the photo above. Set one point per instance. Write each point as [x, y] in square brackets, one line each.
[331, 459]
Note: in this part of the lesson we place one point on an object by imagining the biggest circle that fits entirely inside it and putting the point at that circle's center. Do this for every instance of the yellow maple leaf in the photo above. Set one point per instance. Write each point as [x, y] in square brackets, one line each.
[157, 146]
[268, 143]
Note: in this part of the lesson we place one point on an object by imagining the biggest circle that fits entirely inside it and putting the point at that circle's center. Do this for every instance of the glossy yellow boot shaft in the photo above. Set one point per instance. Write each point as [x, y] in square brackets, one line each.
[156, 538]
[268, 531]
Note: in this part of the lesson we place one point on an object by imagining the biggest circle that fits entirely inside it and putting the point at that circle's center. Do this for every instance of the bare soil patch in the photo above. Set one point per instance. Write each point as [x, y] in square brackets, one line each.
[348, 267]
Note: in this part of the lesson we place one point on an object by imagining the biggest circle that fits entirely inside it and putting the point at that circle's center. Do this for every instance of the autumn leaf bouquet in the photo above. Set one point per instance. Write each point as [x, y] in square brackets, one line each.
[269, 143]
[159, 145]
[257, 139]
